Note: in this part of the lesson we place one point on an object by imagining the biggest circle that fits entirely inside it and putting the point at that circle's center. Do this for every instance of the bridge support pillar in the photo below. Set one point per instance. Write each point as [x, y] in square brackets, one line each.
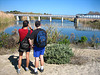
[38, 18]
[17, 17]
[50, 18]
[28, 18]
[76, 21]
[62, 19]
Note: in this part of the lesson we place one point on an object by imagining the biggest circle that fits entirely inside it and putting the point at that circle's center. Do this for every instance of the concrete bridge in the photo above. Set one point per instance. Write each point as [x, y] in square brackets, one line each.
[76, 21]
[62, 16]
[28, 16]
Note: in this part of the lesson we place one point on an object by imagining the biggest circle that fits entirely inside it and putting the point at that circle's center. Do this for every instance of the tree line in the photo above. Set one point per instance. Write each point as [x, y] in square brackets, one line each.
[19, 12]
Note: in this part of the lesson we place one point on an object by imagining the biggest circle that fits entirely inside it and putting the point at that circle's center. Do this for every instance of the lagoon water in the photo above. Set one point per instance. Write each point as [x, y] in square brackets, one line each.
[65, 28]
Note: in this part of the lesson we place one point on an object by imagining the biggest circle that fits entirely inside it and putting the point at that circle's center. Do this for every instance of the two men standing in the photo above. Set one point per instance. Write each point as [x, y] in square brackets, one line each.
[37, 40]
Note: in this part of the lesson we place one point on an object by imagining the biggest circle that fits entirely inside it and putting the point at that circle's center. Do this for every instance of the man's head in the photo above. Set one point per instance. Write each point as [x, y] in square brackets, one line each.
[25, 23]
[37, 23]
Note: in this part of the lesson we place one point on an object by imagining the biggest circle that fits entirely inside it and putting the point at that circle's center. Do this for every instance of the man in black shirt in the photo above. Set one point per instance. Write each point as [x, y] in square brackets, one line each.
[39, 37]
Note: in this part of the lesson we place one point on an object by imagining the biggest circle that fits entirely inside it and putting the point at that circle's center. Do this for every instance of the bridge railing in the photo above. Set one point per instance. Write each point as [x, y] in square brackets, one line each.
[72, 16]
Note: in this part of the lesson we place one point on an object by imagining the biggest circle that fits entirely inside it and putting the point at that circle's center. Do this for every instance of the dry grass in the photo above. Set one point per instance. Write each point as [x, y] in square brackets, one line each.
[6, 18]
[82, 20]
[83, 56]
[25, 18]
[70, 19]
[4, 51]
[79, 60]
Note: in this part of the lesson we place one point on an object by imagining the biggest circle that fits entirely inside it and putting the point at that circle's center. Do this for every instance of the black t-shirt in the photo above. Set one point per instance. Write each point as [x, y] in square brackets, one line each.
[34, 34]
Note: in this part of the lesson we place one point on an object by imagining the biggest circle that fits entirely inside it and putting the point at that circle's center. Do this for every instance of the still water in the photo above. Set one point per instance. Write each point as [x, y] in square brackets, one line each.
[66, 28]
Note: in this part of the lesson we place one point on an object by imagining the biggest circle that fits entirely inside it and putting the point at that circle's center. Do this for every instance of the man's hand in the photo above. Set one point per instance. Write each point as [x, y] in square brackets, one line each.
[32, 46]
[31, 43]
[29, 26]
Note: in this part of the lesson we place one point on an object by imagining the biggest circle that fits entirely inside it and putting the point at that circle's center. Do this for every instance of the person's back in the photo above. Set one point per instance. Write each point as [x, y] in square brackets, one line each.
[39, 36]
[22, 35]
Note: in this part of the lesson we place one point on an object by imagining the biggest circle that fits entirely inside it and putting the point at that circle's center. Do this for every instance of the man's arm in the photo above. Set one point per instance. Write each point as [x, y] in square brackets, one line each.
[30, 27]
[31, 42]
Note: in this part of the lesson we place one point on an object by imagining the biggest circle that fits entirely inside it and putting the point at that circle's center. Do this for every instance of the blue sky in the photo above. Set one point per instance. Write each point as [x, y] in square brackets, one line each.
[63, 7]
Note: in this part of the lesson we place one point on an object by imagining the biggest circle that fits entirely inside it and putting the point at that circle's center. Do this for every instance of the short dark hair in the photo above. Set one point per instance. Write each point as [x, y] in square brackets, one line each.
[37, 23]
[25, 23]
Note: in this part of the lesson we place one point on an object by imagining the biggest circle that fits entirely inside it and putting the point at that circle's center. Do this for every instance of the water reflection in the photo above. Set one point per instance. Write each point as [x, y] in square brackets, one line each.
[17, 22]
[75, 25]
[50, 23]
[66, 27]
[92, 26]
[62, 24]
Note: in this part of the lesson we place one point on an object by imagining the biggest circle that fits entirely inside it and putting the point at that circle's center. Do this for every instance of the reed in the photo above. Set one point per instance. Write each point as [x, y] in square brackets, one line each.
[6, 18]
[90, 21]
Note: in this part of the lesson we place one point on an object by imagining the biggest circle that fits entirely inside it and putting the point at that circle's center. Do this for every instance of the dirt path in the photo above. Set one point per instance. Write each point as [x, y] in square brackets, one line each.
[8, 65]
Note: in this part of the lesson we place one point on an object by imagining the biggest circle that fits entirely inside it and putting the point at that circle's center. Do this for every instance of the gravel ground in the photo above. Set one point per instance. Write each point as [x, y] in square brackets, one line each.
[8, 64]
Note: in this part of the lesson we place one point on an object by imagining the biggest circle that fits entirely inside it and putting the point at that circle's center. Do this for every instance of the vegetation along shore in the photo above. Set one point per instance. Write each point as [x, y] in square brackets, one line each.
[6, 18]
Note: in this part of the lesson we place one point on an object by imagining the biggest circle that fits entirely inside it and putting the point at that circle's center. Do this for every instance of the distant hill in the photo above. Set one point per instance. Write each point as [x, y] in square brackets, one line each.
[90, 13]
[94, 13]
[19, 12]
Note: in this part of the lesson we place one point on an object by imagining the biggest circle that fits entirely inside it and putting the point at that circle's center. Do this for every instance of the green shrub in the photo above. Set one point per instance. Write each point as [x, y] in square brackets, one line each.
[83, 39]
[3, 39]
[8, 41]
[76, 41]
[57, 54]
[94, 41]
[63, 40]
